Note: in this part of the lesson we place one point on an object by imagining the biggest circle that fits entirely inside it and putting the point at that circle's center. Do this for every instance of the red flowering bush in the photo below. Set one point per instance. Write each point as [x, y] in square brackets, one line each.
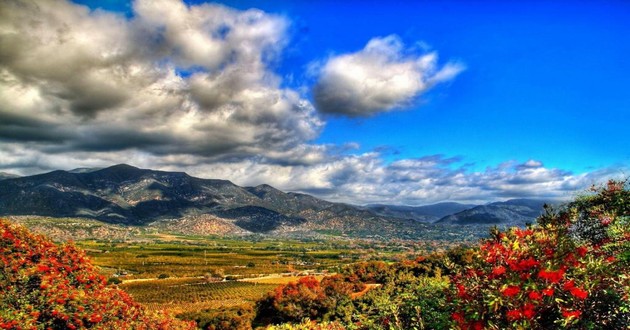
[307, 298]
[45, 286]
[571, 270]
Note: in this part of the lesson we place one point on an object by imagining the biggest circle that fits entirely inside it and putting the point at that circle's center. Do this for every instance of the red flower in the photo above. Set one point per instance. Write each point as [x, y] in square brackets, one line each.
[511, 291]
[523, 233]
[478, 325]
[498, 271]
[42, 268]
[461, 291]
[548, 292]
[514, 315]
[458, 317]
[582, 250]
[95, 318]
[569, 285]
[551, 276]
[529, 311]
[579, 293]
[534, 295]
[571, 314]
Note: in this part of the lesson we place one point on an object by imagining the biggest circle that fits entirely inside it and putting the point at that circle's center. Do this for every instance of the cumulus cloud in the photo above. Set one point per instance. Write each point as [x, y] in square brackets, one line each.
[381, 77]
[173, 79]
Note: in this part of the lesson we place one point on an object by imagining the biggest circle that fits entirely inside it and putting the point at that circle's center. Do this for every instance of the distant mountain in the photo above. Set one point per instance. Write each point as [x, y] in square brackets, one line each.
[514, 212]
[425, 213]
[128, 195]
[4, 175]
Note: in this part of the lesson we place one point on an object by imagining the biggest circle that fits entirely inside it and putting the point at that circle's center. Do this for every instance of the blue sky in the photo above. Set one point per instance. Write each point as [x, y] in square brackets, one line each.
[362, 102]
[545, 80]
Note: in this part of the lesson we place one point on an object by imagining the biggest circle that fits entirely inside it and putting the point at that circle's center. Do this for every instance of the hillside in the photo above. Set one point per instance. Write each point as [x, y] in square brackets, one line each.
[425, 213]
[127, 195]
[124, 194]
[514, 212]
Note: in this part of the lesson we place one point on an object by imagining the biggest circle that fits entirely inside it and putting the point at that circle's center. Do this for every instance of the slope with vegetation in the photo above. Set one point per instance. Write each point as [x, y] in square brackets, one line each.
[175, 201]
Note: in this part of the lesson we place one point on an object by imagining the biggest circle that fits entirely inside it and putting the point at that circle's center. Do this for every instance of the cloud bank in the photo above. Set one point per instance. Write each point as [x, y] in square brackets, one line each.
[381, 77]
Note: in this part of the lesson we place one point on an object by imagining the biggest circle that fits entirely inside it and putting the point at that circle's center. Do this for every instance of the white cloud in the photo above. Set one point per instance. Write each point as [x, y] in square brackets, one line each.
[75, 80]
[357, 179]
[383, 76]
[364, 179]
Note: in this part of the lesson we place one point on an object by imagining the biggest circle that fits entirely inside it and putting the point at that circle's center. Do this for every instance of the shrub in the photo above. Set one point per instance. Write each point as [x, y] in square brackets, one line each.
[305, 299]
[571, 270]
[45, 286]
[308, 325]
[236, 318]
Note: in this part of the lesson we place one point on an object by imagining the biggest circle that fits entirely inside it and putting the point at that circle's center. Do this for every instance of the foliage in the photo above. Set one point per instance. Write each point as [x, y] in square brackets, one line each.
[399, 296]
[305, 299]
[571, 270]
[308, 325]
[45, 286]
[408, 302]
[238, 318]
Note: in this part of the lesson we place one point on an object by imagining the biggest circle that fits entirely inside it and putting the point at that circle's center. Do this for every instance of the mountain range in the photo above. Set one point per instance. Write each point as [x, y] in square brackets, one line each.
[124, 194]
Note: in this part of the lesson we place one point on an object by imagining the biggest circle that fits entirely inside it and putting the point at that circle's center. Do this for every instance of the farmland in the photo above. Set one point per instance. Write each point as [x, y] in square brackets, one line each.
[185, 273]
[190, 295]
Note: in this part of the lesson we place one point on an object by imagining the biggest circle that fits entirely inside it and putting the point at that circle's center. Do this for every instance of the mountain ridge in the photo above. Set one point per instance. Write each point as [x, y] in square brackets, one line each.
[124, 194]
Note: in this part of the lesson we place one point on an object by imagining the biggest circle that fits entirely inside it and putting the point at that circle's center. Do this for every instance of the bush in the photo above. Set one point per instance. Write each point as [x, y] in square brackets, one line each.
[305, 299]
[308, 325]
[45, 286]
[571, 270]
[236, 318]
